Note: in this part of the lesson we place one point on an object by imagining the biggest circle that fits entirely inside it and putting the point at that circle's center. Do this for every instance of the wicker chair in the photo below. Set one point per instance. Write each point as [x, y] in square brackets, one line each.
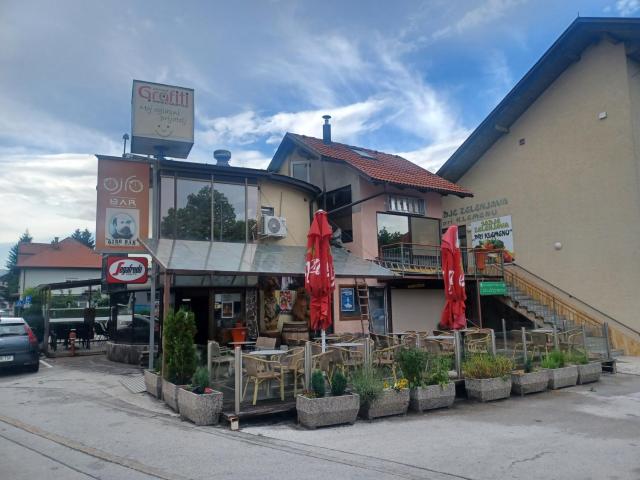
[218, 356]
[261, 371]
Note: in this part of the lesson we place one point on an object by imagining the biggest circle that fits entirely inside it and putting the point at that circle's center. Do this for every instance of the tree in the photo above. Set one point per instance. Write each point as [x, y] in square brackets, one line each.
[388, 238]
[194, 219]
[12, 277]
[85, 237]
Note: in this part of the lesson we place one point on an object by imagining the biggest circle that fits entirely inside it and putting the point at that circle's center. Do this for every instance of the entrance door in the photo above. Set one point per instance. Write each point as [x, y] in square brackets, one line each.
[228, 310]
[196, 300]
[378, 309]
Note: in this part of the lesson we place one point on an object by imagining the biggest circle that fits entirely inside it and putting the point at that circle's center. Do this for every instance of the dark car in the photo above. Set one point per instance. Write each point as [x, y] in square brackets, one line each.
[18, 344]
[137, 331]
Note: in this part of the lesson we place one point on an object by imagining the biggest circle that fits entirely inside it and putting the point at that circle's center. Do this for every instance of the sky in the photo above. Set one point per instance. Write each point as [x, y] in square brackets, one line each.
[407, 77]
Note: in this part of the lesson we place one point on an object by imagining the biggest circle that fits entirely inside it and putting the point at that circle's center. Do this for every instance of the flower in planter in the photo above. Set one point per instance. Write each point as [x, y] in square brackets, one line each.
[483, 365]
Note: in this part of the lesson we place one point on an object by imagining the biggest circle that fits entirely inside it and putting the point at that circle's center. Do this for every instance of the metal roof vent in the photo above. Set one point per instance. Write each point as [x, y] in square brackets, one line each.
[222, 157]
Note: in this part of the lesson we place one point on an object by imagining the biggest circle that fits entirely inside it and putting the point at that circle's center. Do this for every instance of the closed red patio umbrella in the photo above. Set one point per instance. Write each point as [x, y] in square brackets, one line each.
[319, 277]
[453, 316]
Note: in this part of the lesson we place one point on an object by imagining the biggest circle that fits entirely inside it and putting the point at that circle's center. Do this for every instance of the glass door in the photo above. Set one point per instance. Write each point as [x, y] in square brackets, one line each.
[228, 311]
[378, 309]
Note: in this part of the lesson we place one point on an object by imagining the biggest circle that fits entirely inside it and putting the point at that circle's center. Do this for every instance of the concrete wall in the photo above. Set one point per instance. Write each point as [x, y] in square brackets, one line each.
[290, 203]
[575, 181]
[416, 309]
[32, 277]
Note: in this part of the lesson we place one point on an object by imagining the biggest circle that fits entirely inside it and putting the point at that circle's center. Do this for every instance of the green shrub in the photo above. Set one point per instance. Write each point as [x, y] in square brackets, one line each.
[528, 365]
[484, 365]
[317, 383]
[413, 363]
[180, 352]
[200, 380]
[554, 359]
[437, 371]
[338, 383]
[577, 358]
[368, 383]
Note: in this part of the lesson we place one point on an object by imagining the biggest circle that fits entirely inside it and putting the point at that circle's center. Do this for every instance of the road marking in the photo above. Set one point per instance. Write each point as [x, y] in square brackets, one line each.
[46, 364]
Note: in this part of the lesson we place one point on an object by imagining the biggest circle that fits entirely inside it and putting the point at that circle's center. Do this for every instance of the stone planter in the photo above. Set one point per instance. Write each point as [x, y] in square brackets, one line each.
[563, 377]
[432, 396]
[589, 373]
[170, 394]
[321, 412]
[201, 409]
[488, 389]
[153, 382]
[524, 383]
[391, 402]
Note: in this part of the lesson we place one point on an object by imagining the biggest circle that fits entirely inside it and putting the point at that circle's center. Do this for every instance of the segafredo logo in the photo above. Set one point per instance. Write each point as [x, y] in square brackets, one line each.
[127, 270]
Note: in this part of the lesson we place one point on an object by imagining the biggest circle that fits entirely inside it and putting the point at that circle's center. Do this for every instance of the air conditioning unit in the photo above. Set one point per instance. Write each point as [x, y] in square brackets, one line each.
[274, 226]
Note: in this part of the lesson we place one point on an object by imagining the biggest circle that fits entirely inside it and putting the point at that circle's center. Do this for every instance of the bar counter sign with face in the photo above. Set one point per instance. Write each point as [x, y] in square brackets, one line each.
[122, 215]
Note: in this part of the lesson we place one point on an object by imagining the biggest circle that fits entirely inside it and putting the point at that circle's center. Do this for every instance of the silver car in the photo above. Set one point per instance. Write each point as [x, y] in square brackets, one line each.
[18, 344]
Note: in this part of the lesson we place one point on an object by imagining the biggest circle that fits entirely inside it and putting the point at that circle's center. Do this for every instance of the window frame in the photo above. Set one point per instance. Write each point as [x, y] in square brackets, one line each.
[394, 199]
[306, 163]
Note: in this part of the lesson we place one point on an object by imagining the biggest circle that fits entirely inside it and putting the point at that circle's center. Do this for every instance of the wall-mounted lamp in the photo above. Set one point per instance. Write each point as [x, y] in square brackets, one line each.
[557, 246]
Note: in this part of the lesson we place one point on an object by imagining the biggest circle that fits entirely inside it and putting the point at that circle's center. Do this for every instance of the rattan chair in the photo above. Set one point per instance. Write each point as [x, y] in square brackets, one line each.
[261, 371]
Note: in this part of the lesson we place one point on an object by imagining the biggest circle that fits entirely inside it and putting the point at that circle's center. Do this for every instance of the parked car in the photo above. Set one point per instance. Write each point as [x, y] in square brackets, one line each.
[137, 331]
[18, 344]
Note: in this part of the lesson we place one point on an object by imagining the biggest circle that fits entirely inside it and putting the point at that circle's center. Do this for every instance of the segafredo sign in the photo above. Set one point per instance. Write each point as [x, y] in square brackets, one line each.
[127, 270]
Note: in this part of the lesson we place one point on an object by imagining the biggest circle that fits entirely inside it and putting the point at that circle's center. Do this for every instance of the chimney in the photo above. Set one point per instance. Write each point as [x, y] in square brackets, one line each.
[222, 157]
[326, 130]
[56, 241]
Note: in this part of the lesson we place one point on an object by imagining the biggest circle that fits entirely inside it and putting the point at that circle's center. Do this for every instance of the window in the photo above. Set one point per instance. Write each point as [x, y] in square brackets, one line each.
[193, 212]
[394, 228]
[229, 212]
[267, 211]
[167, 213]
[363, 153]
[343, 218]
[301, 170]
[411, 205]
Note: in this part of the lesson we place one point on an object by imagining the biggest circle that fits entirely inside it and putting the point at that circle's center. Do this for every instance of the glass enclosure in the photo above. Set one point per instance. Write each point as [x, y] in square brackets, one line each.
[406, 229]
[186, 210]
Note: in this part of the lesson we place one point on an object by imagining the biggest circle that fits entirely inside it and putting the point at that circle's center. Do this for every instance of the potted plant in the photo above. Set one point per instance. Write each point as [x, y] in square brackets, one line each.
[179, 353]
[530, 379]
[198, 402]
[377, 398]
[588, 372]
[428, 378]
[317, 410]
[560, 374]
[153, 381]
[486, 377]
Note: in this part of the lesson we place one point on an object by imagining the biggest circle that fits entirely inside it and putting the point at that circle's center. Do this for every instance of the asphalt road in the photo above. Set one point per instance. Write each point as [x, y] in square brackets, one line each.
[76, 421]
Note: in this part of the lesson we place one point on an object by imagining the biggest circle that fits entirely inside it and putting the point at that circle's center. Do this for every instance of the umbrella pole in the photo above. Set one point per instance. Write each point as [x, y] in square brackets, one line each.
[324, 341]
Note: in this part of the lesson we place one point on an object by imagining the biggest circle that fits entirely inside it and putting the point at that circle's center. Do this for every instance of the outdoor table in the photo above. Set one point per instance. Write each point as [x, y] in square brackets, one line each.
[346, 344]
[267, 353]
[440, 337]
[241, 344]
[542, 330]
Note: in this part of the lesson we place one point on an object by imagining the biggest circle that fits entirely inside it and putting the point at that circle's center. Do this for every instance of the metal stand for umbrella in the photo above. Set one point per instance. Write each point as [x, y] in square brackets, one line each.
[524, 346]
[458, 352]
[237, 364]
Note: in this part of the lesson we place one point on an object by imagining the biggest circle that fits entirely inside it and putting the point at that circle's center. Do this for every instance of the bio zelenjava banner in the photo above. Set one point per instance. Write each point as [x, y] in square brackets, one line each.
[494, 233]
[161, 119]
[122, 215]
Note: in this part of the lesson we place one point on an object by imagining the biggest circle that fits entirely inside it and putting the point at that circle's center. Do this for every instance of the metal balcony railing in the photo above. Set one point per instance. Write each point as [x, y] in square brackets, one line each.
[415, 258]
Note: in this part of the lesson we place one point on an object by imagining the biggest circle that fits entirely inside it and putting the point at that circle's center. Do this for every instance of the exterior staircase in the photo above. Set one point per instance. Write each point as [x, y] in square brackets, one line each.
[547, 306]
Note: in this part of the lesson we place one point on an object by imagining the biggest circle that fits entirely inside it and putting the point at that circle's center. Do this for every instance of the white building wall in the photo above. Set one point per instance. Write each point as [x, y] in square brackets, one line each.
[32, 277]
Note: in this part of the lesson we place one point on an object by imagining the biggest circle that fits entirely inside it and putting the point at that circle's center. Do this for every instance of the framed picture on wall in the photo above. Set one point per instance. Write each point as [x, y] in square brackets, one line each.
[347, 299]
[227, 310]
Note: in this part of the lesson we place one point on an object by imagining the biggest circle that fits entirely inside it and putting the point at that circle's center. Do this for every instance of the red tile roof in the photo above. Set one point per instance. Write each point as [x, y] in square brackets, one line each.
[383, 166]
[68, 253]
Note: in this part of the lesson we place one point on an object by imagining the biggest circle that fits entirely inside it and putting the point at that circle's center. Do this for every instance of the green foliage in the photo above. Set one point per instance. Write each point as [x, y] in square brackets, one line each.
[554, 359]
[12, 278]
[437, 371]
[179, 331]
[200, 380]
[317, 383]
[484, 365]
[368, 383]
[338, 384]
[528, 365]
[413, 363]
[387, 238]
[577, 357]
[85, 237]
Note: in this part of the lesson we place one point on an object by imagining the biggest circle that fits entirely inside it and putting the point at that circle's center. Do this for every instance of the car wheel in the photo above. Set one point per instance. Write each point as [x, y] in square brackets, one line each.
[34, 368]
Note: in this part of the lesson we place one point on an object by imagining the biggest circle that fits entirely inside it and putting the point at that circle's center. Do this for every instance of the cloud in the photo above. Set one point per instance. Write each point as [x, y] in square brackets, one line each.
[433, 156]
[51, 195]
[499, 76]
[627, 8]
[480, 15]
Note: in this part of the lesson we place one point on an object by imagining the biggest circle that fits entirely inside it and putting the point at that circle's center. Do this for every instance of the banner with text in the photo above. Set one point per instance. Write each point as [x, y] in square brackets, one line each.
[122, 215]
[494, 233]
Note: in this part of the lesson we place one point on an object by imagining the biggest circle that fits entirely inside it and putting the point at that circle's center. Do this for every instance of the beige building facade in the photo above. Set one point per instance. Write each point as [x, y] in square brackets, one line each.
[566, 168]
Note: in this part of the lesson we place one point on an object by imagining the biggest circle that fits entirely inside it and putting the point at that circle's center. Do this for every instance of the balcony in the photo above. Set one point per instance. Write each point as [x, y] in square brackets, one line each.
[419, 259]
